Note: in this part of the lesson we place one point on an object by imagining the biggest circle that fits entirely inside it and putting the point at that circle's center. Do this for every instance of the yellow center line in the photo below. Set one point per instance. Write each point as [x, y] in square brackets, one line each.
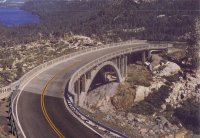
[43, 103]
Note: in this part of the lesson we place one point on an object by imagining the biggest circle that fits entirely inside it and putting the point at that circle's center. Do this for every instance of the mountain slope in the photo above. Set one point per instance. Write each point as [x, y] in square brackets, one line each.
[108, 20]
[154, 20]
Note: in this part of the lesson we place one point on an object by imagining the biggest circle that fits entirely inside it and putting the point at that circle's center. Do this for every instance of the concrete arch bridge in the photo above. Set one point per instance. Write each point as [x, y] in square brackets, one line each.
[116, 63]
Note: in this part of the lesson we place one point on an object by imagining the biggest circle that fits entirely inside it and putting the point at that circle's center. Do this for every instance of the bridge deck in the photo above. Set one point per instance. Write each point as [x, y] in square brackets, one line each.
[30, 112]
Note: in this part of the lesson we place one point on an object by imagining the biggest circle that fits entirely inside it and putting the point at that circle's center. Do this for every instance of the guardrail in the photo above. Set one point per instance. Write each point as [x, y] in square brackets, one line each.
[84, 117]
[6, 91]
[13, 126]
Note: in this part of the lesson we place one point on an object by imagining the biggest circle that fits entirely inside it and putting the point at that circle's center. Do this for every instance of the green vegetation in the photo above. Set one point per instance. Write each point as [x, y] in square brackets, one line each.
[188, 114]
[173, 78]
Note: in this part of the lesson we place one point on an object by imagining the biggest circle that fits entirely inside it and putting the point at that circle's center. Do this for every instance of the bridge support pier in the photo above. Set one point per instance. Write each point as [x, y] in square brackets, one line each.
[83, 83]
[83, 93]
[122, 66]
[118, 62]
[143, 57]
[125, 66]
[121, 62]
[77, 89]
[149, 55]
[146, 55]
[88, 75]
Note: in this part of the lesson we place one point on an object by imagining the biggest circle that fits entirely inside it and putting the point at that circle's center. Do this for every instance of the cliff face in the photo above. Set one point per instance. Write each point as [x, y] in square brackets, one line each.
[124, 98]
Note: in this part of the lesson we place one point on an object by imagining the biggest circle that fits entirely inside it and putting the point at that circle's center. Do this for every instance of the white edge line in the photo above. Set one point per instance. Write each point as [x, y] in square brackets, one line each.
[16, 107]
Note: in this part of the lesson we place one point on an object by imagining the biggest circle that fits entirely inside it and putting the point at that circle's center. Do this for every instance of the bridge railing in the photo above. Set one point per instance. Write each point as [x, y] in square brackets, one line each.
[7, 90]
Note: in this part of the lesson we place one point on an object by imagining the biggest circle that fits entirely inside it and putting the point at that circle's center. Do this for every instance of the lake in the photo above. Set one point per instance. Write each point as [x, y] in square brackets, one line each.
[12, 16]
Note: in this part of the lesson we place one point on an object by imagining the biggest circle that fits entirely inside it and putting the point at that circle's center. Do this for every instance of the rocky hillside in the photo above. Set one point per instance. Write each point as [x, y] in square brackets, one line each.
[167, 106]
[19, 59]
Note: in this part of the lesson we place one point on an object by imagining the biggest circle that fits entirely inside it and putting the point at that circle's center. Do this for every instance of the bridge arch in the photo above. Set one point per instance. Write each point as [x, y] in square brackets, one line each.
[100, 67]
[85, 82]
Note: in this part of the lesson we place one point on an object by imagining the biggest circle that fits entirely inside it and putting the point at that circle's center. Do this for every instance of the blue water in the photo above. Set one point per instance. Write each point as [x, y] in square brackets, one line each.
[11, 16]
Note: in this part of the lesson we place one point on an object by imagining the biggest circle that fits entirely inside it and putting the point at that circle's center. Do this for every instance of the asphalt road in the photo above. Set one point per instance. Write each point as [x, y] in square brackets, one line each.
[30, 113]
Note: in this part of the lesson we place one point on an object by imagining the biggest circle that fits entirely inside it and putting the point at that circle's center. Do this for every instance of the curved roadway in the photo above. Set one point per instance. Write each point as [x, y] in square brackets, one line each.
[45, 92]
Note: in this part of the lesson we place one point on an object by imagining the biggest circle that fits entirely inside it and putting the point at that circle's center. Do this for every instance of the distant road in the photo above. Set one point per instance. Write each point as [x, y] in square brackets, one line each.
[45, 116]
[3, 1]
[12, 1]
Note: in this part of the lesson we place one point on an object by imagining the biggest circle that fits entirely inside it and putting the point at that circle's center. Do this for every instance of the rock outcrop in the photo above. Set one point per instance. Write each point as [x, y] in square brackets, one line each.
[168, 69]
[124, 97]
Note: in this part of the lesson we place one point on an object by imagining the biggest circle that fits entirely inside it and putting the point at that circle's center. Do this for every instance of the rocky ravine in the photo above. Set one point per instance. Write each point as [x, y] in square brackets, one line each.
[150, 111]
